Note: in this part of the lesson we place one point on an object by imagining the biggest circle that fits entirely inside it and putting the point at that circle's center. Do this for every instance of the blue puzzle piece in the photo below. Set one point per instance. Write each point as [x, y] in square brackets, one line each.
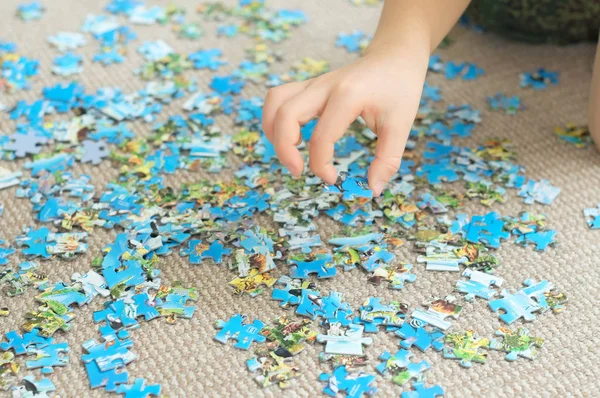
[193, 251]
[36, 242]
[539, 79]
[488, 229]
[414, 333]
[145, 307]
[443, 170]
[351, 42]
[138, 389]
[48, 356]
[216, 252]
[290, 292]
[108, 355]
[245, 334]
[227, 84]
[67, 64]
[355, 386]
[541, 239]
[303, 269]
[210, 59]
[109, 379]
[334, 310]
[175, 304]
[129, 273]
[351, 188]
[5, 252]
[310, 304]
[109, 57]
[372, 258]
[20, 344]
[421, 392]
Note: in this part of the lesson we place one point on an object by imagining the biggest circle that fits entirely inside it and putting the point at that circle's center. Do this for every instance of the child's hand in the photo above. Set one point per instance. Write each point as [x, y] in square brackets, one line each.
[383, 88]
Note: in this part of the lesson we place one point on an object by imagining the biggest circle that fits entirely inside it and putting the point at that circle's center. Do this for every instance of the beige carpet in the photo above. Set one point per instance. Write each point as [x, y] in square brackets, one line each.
[188, 362]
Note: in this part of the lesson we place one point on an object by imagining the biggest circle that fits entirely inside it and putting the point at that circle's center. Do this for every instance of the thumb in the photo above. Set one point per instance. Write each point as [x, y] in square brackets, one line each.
[391, 140]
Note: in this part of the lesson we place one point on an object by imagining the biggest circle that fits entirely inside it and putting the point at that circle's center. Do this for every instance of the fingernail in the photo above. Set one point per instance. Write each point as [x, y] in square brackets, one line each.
[378, 188]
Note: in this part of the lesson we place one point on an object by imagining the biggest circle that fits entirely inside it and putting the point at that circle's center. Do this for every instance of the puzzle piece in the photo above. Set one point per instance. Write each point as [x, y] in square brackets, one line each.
[289, 335]
[349, 342]
[517, 343]
[253, 284]
[94, 151]
[352, 42]
[351, 188]
[414, 333]
[522, 303]
[541, 239]
[396, 274]
[539, 79]
[539, 191]
[468, 347]
[25, 144]
[320, 265]
[245, 334]
[355, 386]
[109, 379]
[210, 59]
[272, 370]
[66, 41]
[36, 242]
[592, 216]
[437, 312]
[67, 64]
[33, 388]
[437, 172]
[227, 84]
[390, 314]
[488, 229]
[5, 252]
[421, 392]
[20, 344]
[478, 285]
[48, 356]
[400, 366]
[67, 244]
[292, 290]
[138, 389]
[372, 257]
[215, 251]
[46, 321]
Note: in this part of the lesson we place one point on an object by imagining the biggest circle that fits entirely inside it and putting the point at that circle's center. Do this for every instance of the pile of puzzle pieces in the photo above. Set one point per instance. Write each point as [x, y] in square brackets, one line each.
[216, 221]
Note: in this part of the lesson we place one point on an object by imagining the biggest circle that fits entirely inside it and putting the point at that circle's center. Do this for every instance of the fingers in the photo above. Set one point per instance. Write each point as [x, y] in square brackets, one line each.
[286, 125]
[391, 141]
[340, 111]
[275, 98]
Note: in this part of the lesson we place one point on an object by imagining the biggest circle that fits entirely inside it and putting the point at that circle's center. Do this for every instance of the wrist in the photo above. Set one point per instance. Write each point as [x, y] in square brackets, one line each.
[411, 39]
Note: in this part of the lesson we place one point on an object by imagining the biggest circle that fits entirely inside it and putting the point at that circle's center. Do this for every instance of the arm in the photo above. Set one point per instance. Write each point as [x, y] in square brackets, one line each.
[384, 87]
